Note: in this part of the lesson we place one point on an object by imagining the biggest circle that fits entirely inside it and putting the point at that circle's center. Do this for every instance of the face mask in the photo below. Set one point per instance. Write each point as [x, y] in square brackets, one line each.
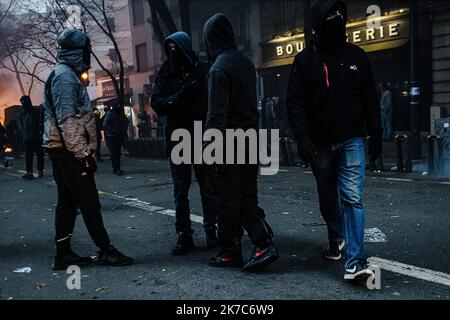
[176, 57]
[334, 27]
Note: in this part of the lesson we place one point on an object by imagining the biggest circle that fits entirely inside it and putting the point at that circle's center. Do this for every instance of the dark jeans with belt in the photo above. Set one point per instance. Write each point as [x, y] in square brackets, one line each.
[182, 178]
[76, 190]
[34, 147]
[237, 188]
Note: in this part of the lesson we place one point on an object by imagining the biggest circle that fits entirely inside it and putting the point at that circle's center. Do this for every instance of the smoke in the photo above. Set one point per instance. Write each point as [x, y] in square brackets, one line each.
[9, 95]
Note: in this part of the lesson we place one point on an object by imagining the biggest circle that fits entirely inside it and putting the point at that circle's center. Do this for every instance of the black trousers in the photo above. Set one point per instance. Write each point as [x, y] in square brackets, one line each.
[115, 147]
[76, 191]
[34, 147]
[237, 188]
[182, 179]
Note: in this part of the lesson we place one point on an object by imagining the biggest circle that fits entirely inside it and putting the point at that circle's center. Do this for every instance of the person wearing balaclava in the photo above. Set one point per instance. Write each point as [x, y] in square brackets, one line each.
[30, 119]
[70, 140]
[180, 95]
[332, 106]
[233, 105]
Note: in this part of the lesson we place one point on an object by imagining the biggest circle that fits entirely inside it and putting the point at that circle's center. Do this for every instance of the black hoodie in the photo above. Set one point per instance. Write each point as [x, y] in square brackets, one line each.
[231, 80]
[332, 94]
[180, 94]
[31, 121]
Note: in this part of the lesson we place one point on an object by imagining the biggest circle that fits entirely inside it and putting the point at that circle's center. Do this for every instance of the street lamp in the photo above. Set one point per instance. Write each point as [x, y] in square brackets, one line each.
[85, 78]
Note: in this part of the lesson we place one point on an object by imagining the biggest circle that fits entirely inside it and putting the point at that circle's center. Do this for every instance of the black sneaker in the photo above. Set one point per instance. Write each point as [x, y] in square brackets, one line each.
[359, 272]
[334, 250]
[70, 259]
[41, 174]
[261, 257]
[185, 243]
[211, 238]
[6, 164]
[28, 176]
[113, 257]
[226, 260]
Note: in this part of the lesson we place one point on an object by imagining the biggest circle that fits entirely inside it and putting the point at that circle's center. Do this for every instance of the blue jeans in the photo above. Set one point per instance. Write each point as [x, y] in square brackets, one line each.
[340, 170]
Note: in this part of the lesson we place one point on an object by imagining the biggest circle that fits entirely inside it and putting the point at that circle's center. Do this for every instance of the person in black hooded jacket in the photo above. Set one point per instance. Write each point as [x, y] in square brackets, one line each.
[31, 121]
[332, 106]
[180, 94]
[233, 105]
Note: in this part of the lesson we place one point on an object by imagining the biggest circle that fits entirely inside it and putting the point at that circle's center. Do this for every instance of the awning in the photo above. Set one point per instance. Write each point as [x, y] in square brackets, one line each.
[112, 100]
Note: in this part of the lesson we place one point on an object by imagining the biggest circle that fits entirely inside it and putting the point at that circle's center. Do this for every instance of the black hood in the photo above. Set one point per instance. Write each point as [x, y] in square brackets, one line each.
[26, 103]
[218, 35]
[324, 35]
[184, 42]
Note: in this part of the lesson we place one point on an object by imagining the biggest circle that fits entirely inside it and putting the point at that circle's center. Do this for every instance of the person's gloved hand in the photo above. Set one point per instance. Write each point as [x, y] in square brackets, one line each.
[306, 149]
[89, 165]
[375, 147]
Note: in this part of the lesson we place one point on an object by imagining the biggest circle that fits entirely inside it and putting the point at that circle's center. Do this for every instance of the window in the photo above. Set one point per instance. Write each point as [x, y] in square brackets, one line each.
[111, 23]
[137, 8]
[141, 57]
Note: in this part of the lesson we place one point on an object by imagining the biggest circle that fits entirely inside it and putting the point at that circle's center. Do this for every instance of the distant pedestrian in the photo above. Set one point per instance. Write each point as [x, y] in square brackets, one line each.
[115, 126]
[32, 137]
[386, 111]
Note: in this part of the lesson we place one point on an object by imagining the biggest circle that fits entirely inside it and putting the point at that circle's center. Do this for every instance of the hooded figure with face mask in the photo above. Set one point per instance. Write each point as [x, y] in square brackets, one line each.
[233, 105]
[332, 106]
[180, 94]
[70, 140]
[31, 122]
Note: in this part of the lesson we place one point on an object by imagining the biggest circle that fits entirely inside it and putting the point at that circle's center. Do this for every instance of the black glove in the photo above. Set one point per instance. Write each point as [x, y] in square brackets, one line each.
[375, 147]
[306, 149]
[88, 164]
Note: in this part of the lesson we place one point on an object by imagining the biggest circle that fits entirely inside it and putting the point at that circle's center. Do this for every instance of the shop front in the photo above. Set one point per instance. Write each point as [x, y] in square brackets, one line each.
[387, 48]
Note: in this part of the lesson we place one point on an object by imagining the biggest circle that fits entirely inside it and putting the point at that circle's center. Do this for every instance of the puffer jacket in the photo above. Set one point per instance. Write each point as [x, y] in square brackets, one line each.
[71, 101]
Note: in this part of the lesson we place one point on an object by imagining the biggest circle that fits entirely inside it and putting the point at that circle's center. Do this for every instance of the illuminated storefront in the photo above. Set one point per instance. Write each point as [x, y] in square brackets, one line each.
[387, 48]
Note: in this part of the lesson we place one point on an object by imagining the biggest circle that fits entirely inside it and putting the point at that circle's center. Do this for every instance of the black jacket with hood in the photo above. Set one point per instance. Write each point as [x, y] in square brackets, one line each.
[332, 95]
[31, 121]
[231, 80]
[180, 96]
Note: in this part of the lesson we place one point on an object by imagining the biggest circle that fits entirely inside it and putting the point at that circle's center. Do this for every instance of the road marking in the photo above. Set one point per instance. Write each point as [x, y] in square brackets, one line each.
[147, 206]
[411, 271]
[446, 183]
[397, 179]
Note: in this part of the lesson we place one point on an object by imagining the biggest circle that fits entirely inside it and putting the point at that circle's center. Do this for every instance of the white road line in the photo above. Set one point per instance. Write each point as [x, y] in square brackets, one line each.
[136, 203]
[446, 183]
[411, 271]
[397, 179]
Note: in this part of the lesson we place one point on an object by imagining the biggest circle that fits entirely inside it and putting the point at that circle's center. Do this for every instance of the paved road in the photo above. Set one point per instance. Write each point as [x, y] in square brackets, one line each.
[412, 217]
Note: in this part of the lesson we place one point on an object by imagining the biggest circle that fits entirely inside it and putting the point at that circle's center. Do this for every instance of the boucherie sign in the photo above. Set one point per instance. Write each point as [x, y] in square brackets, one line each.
[393, 32]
